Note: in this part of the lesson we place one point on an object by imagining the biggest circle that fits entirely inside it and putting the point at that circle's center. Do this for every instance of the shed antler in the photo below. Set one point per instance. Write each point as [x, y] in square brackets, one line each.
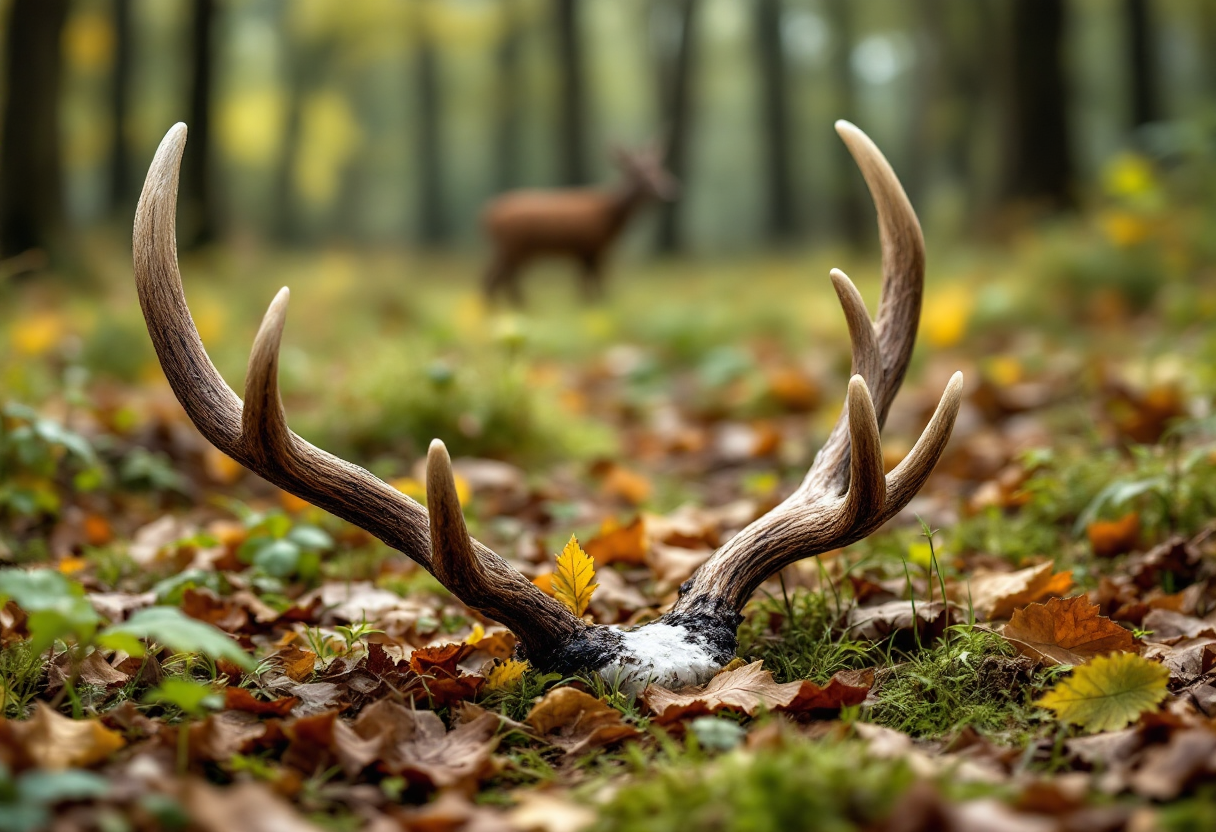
[843, 498]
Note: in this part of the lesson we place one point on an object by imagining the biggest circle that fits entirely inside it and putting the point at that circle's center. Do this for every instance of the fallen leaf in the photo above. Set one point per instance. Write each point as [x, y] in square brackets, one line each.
[626, 485]
[1109, 692]
[578, 722]
[1166, 771]
[295, 663]
[572, 579]
[239, 699]
[53, 741]
[243, 807]
[995, 595]
[885, 620]
[319, 740]
[416, 744]
[1108, 538]
[749, 689]
[506, 675]
[537, 811]
[1066, 631]
[619, 544]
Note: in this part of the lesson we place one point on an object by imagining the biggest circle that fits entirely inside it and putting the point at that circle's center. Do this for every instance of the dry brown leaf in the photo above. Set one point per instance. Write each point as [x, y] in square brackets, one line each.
[542, 811]
[1168, 627]
[416, 744]
[219, 736]
[749, 689]
[885, 620]
[1066, 631]
[578, 722]
[1166, 771]
[322, 739]
[244, 807]
[1108, 538]
[53, 741]
[295, 663]
[619, 544]
[239, 699]
[995, 595]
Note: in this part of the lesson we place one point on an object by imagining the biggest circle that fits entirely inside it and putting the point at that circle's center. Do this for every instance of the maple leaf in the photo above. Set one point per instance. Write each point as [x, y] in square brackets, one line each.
[1109, 692]
[573, 576]
[506, 675]
[1066, 631]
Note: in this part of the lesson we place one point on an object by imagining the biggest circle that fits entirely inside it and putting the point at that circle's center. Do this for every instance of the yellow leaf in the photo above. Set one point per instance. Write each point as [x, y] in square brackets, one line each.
[573, 576]
[479, 632]
[1109, 692]
[506, 675]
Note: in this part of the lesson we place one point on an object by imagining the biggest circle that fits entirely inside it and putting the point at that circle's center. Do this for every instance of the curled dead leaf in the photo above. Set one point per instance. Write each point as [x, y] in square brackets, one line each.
[995, 595]
[576, 722]
[52, 741]
[749, 689]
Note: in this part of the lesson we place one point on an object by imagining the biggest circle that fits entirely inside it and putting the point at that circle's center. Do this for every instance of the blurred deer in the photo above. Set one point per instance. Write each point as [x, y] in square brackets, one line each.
[577, 223]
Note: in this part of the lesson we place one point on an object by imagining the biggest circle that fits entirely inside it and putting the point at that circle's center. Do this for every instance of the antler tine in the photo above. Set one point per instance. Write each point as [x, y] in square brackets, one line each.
[255, 432]
[453, 558]
[264, 428]
[867, 486]
[910, 474]
[844, 495]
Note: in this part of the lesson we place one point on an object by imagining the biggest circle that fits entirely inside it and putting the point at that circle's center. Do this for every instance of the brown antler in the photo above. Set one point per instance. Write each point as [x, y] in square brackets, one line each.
[255, 433]
[845, 496]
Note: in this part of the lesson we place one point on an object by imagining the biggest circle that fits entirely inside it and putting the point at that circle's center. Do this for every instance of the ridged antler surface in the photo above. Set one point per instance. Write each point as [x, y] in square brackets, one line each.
[844, 497]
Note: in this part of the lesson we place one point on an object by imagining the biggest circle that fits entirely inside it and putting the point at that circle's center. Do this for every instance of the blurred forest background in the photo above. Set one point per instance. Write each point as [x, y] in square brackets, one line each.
[388, 123]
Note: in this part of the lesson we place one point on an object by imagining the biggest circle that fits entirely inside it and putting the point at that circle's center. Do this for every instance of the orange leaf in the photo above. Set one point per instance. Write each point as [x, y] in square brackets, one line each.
[239, 699]
[1066, 631]
[619, 544]
[997, 594]
[1108, 538]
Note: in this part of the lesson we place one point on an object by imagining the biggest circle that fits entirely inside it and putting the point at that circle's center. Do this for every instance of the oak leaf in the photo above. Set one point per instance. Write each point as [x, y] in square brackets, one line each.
[996, 595]
[572, 579]
[749, 689]
[1066, 631]
[576, 722]
[1109, 692]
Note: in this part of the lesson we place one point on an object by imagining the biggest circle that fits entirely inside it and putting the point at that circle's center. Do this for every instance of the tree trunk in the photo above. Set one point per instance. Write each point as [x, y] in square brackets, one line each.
[1039, 161]
[122, 190]
[850, 191]
[675, 109]
[572, 103]
[781, 219]
[31, 197]
[1141, 43]
[198, 185]
[509, 100]
[432, 214]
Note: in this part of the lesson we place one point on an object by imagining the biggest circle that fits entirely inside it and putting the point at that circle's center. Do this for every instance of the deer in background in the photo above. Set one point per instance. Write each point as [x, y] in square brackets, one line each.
[577, 223]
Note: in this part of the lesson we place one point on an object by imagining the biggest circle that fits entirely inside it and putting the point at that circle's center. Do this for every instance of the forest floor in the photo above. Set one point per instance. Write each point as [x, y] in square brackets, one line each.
[1031, 645]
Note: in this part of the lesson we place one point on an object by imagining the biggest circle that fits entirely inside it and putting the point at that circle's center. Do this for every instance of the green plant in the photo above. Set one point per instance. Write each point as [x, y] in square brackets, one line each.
[279, 547]
[42, 461]
[26, 800]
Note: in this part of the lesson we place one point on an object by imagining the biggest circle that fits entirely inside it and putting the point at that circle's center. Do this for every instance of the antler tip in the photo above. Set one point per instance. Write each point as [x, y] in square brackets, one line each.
[437, 452]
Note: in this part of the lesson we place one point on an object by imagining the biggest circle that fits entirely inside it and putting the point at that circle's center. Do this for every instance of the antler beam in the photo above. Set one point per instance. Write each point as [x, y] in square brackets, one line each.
[844, 497]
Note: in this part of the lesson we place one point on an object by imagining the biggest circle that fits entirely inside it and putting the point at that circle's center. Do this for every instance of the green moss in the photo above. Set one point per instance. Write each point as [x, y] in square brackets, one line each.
[803, 785]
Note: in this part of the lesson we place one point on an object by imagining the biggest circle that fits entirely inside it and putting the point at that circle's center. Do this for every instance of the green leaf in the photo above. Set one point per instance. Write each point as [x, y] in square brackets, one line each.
[177, 631]
[48, 787]
[194, 698]
[56, 606]
[310, 537]
[279, 558]
[1109, 692]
